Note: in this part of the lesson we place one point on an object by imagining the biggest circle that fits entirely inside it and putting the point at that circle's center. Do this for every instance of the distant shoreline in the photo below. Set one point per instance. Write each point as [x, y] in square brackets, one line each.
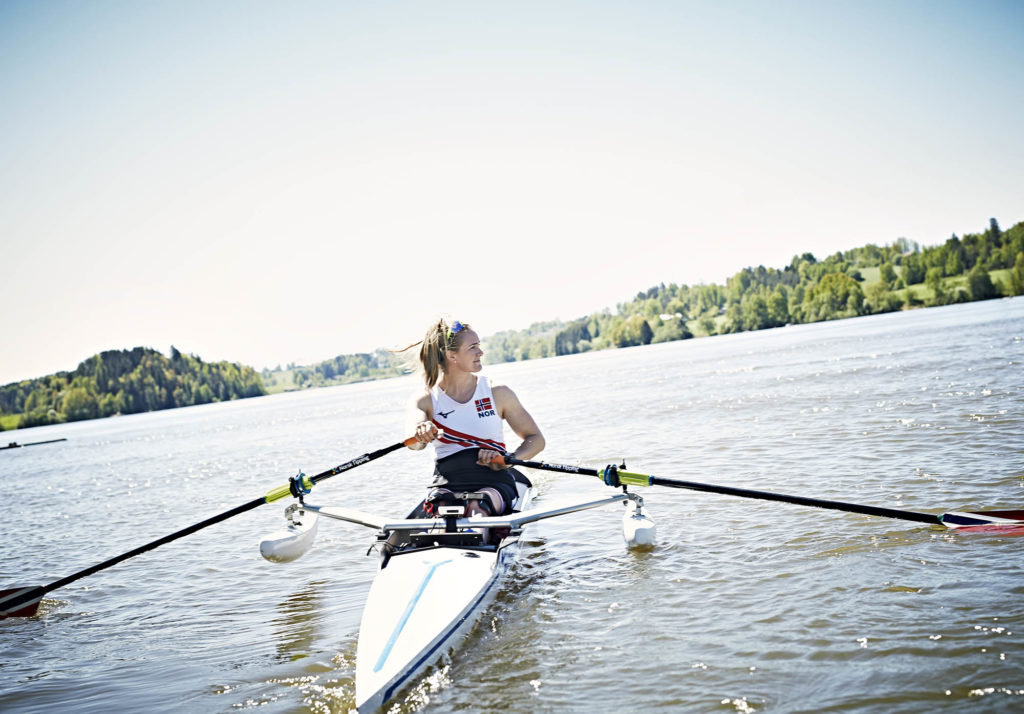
[12, 444]
[863, 281]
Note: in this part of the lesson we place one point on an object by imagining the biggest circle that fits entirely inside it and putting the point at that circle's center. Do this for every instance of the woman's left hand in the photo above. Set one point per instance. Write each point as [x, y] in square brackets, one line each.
[487, 457]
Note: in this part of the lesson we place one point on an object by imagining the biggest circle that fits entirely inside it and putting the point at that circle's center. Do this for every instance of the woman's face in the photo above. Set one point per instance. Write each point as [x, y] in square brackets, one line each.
[467, 356]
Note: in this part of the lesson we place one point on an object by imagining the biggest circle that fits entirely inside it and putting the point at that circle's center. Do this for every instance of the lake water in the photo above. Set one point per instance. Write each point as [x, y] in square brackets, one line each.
[744, 606]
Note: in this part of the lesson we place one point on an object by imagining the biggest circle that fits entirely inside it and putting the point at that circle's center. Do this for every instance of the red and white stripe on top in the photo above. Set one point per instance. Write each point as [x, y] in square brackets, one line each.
[471, 425]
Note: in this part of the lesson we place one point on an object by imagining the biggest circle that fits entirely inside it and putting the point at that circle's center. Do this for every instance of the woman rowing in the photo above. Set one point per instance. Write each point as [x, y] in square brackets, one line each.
[464, 412]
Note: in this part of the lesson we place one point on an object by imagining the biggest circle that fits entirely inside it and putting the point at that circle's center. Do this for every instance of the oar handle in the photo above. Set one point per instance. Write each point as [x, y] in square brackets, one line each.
[614, 476]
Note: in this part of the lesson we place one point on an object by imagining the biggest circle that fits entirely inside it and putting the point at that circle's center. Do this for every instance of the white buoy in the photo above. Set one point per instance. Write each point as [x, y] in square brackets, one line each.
[293, 540]
[638, 530]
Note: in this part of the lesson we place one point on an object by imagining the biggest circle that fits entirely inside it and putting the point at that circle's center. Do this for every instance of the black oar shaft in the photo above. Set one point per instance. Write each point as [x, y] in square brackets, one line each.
[635, 479]
[563, 468]
[800, 500]
[152, 544]
[307, 482]
[362, 460]
[16, 445]
[14, 601]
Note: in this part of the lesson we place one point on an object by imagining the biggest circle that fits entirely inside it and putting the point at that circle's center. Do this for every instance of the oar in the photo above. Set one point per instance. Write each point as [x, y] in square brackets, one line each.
[16, 445]
[24, 601]
[614, 476]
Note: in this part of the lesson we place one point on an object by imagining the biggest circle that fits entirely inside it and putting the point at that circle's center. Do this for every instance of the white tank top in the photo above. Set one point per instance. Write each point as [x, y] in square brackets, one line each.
[471, 425]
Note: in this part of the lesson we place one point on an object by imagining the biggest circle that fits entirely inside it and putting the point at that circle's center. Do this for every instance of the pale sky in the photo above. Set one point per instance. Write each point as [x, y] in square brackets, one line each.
[274, 182]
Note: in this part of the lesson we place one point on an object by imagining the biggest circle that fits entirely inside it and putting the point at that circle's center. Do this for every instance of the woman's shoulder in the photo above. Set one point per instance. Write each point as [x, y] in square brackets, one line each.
[502, 392]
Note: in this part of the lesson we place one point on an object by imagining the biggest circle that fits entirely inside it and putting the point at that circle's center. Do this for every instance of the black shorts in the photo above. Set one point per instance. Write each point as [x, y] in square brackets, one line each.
[461, 472]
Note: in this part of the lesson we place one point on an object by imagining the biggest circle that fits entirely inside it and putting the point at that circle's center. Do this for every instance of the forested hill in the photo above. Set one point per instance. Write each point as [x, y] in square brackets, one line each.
[126, 382]
[862, 281]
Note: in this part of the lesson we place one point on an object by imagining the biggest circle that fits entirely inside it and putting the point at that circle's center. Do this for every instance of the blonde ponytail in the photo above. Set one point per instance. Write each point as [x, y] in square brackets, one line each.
[442, 336]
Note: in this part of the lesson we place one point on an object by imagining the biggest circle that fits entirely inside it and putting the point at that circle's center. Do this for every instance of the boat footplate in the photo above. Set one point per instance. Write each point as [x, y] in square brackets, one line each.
[462, 538]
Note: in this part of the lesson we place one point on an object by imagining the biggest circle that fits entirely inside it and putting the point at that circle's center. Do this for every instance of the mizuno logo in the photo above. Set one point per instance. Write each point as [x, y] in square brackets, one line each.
[445, 415]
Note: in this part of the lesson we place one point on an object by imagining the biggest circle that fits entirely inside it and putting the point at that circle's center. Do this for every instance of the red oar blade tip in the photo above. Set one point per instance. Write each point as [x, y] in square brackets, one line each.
[20, 602]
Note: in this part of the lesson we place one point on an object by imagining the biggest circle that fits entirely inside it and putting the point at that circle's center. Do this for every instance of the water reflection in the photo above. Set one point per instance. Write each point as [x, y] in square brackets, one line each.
[297, 625]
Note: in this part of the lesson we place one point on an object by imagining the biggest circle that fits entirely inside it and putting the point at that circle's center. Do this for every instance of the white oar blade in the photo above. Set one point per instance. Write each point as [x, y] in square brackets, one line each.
[291, 542]
[984, 520]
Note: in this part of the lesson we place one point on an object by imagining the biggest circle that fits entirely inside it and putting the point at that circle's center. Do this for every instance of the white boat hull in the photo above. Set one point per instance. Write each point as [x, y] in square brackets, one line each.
[422, 604]
[436, 577]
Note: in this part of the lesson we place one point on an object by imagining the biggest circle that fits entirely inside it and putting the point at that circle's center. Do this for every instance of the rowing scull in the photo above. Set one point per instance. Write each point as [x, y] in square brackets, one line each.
[436, 576]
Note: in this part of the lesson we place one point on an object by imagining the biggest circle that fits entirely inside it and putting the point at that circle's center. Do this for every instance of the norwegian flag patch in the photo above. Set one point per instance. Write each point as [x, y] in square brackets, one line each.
[484, 408]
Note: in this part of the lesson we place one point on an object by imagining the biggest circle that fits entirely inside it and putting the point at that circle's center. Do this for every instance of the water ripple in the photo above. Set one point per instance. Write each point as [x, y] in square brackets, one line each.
[742, 606]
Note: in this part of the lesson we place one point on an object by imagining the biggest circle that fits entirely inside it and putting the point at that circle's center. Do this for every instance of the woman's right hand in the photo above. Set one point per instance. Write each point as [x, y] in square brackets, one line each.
[426, 432]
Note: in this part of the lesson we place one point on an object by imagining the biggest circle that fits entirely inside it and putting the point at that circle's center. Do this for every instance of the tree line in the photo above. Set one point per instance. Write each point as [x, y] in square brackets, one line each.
[343, 369]
[862, 281]
[127, 382]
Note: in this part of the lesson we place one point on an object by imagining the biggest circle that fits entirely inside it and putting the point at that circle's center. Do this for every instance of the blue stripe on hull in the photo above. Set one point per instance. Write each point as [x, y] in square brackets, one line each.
[429, 654]
[386, 652]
